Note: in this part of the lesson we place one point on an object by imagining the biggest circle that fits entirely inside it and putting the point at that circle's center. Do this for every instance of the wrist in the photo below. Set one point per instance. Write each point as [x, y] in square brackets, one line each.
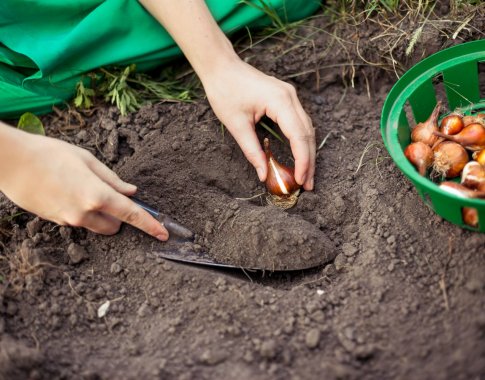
[13, 146]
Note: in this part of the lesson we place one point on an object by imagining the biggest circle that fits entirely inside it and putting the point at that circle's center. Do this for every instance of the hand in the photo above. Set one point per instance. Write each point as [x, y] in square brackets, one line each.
[240, 96]
[238, 93]
[69, 186]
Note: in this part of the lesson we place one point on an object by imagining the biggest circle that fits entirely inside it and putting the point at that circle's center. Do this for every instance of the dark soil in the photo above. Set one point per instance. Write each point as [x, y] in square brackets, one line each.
[400, 294]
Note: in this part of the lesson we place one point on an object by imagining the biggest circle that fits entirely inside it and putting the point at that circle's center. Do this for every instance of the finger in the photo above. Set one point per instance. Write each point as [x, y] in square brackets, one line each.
[100, 223]
[111, 178]
[127, 211]
[301, 139]
[308, 126]
[309, 183]
[247, 140]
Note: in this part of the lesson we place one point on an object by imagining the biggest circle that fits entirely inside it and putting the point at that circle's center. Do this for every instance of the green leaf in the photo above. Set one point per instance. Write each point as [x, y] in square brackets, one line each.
[30, 123]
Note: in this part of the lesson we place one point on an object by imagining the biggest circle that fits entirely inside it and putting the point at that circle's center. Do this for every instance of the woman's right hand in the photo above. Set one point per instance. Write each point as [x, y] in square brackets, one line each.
[68, 185]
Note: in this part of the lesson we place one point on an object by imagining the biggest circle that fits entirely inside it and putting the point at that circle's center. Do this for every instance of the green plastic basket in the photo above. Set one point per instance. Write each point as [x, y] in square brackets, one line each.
[458, 68]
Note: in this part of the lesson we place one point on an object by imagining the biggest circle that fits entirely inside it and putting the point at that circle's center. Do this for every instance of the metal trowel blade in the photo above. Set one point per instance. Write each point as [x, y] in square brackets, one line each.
[197, 258]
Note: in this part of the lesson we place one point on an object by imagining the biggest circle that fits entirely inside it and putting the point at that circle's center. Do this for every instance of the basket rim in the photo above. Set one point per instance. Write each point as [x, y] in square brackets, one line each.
[400, 93]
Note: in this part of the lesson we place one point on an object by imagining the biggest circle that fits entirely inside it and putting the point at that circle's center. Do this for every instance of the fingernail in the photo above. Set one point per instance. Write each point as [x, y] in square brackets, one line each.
[311, 184]
[162, 237]
[260, 172]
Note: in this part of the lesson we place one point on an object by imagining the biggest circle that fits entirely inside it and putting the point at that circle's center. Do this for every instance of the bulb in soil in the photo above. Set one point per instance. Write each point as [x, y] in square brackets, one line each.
[449, 159]
[280, 182]
[420, 155]
[425, 132]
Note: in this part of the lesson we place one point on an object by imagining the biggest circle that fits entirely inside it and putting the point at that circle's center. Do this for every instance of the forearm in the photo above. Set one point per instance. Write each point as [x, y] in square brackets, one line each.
[10, 146]
[193, 28]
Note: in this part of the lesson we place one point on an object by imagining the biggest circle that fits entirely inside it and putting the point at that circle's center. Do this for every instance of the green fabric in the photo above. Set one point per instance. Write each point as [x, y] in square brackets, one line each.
[46, 45]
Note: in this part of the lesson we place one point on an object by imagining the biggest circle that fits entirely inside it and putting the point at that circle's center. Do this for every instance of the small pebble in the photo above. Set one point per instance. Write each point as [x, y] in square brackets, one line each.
[312, 338]
[268, 349]
[76, 253]
[116, 268]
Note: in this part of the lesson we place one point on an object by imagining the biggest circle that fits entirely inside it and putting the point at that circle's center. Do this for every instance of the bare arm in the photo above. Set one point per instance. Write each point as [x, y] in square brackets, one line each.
[67, 185]
[239, 94]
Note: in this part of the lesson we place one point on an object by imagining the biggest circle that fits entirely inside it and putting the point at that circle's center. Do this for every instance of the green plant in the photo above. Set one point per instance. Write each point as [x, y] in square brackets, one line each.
[129, 90]
[28, 122]
[84, 96]
[278, 24]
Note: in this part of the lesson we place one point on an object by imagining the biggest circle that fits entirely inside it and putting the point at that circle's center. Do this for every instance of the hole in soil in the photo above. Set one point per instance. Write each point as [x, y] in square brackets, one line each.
[124, 149]
[481, 78]
[469, 216]
[440, 90]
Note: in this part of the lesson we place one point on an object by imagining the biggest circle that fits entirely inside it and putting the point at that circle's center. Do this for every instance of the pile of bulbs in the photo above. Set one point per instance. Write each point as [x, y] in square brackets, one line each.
[455, 147]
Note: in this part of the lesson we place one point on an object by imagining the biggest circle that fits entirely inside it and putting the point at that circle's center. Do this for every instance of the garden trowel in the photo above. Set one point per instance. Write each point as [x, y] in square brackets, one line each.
[180, 233]
[186, 252]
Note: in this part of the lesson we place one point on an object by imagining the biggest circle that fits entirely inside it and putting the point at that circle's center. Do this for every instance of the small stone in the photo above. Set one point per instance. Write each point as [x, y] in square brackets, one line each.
[268, 349]
[34, 226]
[340, 262]
[143, 310]
[209, 227]
[116, 268]
[349, 250]
[312, 338]
[391, 240]
[140, 259]
[213, 357]
[76, 253]
[176, 145]
[65, 232]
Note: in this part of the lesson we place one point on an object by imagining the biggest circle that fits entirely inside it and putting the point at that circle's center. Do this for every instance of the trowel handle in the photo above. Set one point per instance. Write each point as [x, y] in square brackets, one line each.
[171, 225]
[146, 207]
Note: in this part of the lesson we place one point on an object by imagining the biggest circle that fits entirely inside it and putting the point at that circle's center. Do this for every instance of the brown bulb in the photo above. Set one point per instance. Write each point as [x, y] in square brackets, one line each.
[280, 180]
[424, 132]
[420, 155]
[449, 159]
[472, 137]
[473, 175]
[470, 216]
[479, 118]
[460, 190]
[451, 124]
[479, 156]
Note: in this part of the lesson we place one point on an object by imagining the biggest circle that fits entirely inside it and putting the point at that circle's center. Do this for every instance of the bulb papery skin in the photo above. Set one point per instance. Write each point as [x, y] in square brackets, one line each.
[473, 175]
[420, 155]
[479, 156]
[280, 180]
[451, 124]
[425, 132]
[479, 118]
[472, 137]
[449, 159]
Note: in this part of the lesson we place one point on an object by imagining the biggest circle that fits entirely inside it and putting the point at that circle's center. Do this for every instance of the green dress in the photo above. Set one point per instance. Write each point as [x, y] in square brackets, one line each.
[47, 45]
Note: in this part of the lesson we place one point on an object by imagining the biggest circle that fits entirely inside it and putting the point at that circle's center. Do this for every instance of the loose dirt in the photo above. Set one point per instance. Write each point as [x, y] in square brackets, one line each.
[401, 293]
